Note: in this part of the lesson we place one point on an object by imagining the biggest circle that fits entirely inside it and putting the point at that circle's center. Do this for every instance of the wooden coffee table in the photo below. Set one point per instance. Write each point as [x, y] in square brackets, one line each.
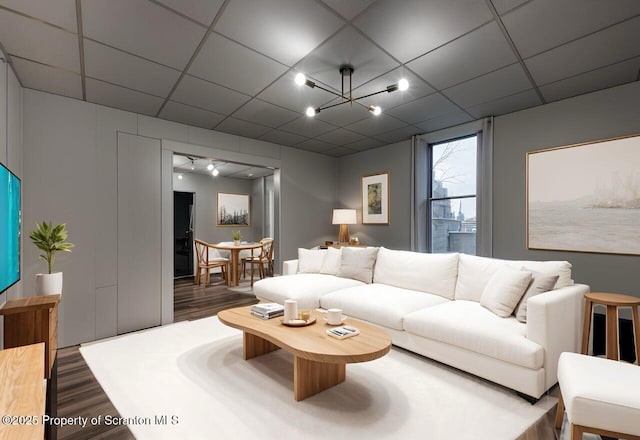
[319, 360]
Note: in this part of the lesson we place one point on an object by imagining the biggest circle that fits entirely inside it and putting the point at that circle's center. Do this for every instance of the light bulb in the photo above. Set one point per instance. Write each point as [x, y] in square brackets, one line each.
[179, 176]
[376, 110]
[403, 84]
[215, 172]
[209, 167]
[300, 79]
[311, 112]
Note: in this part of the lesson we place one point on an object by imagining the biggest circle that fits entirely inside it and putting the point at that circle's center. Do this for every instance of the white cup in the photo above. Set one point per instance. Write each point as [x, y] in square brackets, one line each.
[290, 310]
[334, 316]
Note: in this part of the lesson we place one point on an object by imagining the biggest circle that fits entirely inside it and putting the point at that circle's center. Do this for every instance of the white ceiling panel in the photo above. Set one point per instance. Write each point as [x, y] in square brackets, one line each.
[242, 128]
[341, 136]
[343, 114]
[612, 45]
[308, 127]
[349, 9]
[444, 121]
[417, 89]
[59, 12]
[143, 28]
[49, 79]
[423, 108]
[125, 99]
[477, 53]
[316, 146]
[264, 113]
[364, 144]
[375, 125]
[610, 76]
[420, 26]
[111, 65]
[398, 135]
[174, 111]
[503, 82]
[347, 47]
[541, 25]
[339, 151]
[37, 41]
[203, 11]
[286, 93]
[229, 64]
[503, 6]
[282, 138]
[286, 30]
[507, 104]
[208, 96]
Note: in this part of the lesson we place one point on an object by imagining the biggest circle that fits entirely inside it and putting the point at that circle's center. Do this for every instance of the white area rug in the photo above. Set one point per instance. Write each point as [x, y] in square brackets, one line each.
[195, 371]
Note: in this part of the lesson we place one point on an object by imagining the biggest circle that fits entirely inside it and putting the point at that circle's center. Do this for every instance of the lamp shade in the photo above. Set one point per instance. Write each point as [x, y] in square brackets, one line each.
[344, 217]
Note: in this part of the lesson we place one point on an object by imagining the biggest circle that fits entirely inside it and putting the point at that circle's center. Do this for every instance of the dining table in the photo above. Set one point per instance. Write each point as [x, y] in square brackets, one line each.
[234, 250]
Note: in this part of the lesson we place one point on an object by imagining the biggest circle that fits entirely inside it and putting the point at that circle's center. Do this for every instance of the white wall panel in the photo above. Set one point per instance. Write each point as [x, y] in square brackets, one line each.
[139, 232]
[106, 311]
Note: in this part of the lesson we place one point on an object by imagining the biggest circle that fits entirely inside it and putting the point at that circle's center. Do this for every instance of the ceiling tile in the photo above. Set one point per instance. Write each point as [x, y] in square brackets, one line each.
[125, 99]
[186, 114]
[229, 64]
[346, 47]
[341, 137]
[541, 25]
[208, 96]
[417, 89]
[242, 128]
[419, 26]
[309, 127]
[610, 76]
[203, 11]
[612, 45]
[365, 144]
[143, 28]
[285, 93]
[59, 12]
[37, 41]
[375, 125]
[349, 9]
[48, 79]
[423, 108]
[477, 53]
[398, 135]
[343, 114]
[114, 66]
[444, 121]
[264, 113]
[339, 152]
[316, 146]
[503, 82]
[503, 6]
[294, 28]
[282, 138]
[507, 104]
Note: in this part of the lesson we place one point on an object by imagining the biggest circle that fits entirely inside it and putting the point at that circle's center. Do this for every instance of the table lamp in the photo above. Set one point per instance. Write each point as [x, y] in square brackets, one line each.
[344, 217]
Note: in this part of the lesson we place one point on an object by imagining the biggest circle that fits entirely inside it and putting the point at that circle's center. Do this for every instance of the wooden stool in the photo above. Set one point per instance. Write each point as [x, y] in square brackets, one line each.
[612, 301]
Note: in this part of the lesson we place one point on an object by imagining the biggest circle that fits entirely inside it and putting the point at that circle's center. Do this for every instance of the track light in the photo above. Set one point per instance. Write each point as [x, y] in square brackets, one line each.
[215, 172]
[193, 167]
[210, 167]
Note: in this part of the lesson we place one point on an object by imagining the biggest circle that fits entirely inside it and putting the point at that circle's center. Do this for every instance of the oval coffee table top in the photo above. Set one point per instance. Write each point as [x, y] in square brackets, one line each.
[312, 342]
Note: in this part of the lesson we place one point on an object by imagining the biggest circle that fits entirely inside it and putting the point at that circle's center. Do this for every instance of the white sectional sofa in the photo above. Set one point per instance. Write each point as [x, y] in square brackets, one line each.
[447, 307]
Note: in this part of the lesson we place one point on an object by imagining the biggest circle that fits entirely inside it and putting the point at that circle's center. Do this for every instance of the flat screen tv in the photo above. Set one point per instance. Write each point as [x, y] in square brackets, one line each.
[9, 229]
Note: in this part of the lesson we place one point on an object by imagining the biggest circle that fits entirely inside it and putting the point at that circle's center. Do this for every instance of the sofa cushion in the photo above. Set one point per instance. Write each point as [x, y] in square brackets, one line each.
[468, 325]
[474, 273]
[357, 263]
[539, 283]
[432, 273]
[306, 288]
[331, 262]
[504, 290]
[310, 260]
[379, 303]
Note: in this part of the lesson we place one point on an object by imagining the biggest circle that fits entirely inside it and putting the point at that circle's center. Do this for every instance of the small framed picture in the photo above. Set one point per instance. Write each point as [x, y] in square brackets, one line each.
[233, 209]
[375, 199]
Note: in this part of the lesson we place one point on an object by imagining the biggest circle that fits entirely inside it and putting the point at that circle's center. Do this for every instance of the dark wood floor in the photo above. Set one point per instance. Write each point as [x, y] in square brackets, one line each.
[80, 394]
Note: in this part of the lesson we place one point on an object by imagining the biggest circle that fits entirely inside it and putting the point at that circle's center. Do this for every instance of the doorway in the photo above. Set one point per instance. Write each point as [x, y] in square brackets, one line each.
[183, 216]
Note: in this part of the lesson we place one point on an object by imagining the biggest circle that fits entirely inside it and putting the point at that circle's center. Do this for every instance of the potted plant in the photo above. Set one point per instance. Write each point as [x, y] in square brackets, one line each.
[236, 237]
[50, 239]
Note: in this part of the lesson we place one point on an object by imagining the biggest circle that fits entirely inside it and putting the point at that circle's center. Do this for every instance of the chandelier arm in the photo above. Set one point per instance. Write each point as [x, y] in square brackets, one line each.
[370, 94]
[327, 90]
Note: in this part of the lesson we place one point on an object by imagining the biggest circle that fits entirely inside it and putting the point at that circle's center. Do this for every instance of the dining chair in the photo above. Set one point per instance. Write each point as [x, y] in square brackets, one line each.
[264, 261]
[209, 258]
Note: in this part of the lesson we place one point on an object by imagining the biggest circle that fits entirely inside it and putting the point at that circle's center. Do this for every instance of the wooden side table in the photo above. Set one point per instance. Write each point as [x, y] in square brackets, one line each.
[612, 301]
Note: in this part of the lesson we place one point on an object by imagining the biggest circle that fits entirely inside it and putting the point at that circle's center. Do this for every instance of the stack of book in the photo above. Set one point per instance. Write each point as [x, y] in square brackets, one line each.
[267, 310]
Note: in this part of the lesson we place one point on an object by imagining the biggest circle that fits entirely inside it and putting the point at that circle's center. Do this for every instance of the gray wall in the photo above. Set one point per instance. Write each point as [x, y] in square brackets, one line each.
[395, 159]
[600, 115]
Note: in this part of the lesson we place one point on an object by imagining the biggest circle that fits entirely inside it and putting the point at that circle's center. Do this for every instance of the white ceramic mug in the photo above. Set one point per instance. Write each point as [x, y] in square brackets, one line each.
[334, 316]
[290, 310]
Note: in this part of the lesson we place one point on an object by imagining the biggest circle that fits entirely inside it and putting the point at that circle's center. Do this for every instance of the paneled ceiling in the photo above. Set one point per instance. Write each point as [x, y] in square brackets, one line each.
[229, 65]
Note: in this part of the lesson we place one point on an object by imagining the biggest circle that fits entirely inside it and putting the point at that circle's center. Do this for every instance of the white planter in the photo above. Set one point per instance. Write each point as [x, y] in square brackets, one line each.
[48, 283]
[236, 242]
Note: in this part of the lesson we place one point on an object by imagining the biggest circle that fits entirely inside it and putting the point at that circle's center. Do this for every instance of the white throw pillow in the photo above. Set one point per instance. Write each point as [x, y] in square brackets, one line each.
[331, 262]
[504, 289]
[357, 263]
[540, 283]
[310, 260]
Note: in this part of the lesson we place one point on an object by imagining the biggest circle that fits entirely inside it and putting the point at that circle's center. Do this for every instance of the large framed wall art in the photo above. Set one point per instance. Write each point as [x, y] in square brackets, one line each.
[233, 209]
[375, 199]
[585, 197]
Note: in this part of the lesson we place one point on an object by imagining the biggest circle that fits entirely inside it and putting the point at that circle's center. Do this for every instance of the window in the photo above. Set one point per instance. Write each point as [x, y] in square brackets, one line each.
[452, 195]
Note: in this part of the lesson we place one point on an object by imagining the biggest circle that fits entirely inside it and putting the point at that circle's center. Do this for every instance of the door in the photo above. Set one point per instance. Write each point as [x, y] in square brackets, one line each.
[183, 216]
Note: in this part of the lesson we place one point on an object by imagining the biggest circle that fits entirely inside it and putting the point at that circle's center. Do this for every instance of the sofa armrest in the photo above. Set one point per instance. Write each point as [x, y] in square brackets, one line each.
[554, 320]
[289, 267]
